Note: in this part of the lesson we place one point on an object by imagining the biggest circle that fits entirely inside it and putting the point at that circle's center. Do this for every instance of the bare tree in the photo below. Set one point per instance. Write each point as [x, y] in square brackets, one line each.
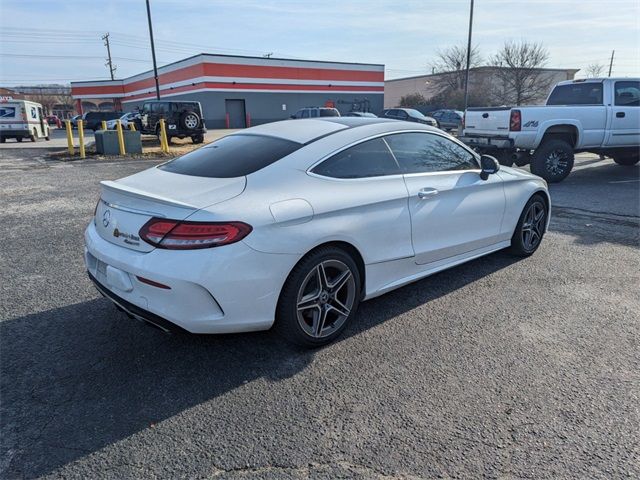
[521, 78]
[412, 100]
[594, 70]
[451, 63]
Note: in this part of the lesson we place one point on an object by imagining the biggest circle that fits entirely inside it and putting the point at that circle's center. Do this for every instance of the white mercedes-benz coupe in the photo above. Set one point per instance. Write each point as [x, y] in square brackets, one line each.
[291, 224]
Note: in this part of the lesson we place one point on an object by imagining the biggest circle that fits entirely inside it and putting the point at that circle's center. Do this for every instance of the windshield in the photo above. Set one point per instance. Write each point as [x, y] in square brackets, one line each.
[414, 113]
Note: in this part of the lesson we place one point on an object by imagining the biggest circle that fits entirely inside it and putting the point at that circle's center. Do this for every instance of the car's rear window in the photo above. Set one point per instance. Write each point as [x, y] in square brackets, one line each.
[587, 93]
[329, 112]
[232, 156]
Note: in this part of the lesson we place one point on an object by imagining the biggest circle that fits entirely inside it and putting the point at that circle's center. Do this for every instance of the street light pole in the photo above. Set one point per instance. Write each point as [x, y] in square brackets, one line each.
[466, 79]
[153, 52]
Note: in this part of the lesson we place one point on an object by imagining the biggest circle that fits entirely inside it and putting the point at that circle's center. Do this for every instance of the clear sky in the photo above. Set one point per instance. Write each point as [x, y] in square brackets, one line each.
[47, 41]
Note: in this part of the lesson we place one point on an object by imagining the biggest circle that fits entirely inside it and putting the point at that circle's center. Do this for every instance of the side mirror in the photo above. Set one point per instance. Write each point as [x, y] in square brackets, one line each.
[489, 165]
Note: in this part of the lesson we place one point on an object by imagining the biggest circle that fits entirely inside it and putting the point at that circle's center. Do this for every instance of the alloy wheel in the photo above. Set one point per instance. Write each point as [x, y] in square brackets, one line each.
[533, 226]
[557, 162]
[325, 298]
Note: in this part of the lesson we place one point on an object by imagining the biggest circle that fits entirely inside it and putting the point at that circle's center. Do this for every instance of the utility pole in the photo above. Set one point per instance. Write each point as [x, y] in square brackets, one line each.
[112, 67]
[611, 62]
[466, 76]
[153, 52]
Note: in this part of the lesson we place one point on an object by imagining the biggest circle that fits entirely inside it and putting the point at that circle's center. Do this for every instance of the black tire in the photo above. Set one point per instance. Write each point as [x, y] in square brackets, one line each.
[189, 120]
[320, 322]
[33, 136]
[196, 139]
[553, 160]
[2, 139]
[19, 139]
[627, 159]
[530, 226]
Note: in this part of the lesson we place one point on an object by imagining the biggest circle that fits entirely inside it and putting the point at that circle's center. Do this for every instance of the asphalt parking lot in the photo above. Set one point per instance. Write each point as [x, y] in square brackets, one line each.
[499, 368]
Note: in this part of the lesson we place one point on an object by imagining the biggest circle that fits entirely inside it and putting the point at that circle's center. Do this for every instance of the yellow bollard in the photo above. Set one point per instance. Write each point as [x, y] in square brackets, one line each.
[120, 137]
[132, 126]
[164, 143]
[72, 150]
[81, 138]
[104, 124]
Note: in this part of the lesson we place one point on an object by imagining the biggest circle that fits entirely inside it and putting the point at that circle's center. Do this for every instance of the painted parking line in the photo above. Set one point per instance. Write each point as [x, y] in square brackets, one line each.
[626, 181]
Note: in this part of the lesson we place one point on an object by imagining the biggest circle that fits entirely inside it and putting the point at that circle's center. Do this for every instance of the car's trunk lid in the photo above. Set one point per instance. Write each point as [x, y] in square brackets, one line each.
[487, 121]
[126, 205]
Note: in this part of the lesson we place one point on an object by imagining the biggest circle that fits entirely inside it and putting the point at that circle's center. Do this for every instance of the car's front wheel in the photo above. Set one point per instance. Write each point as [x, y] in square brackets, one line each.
[530, 228]
[319, 298]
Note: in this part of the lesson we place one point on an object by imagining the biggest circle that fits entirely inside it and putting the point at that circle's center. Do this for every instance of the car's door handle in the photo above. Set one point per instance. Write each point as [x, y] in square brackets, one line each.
[620, 114]
[426, 193]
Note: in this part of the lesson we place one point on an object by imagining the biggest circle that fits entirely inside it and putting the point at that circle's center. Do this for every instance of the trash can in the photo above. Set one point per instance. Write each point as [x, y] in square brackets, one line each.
[107, 142]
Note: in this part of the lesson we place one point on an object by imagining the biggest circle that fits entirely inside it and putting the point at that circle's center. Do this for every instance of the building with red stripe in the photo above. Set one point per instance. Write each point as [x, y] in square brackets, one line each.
[237, 91]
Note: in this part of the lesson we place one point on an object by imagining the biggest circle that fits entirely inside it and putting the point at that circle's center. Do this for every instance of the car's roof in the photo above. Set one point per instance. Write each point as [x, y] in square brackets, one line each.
[308, 130]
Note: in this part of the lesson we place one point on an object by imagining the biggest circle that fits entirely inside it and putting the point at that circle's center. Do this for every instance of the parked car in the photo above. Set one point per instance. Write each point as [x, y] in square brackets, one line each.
[183, 119]
[74, 121]
[298, 221]
[599, 115]
[93, 120]
[361, 114]
[409, 115]
[124, 120]
[54, 120]
[448, 119]
[22, 119]
[314, 112]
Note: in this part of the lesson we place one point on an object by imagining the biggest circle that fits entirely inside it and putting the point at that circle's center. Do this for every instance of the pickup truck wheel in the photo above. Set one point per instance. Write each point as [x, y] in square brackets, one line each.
[627, 159]
[553, 160]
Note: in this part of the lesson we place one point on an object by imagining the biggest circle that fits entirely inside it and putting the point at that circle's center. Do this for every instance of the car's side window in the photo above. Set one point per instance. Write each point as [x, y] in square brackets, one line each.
[627, 93]
[425, 152]
[402, 114]
[314, 113]
[368, 159]
[305, 114]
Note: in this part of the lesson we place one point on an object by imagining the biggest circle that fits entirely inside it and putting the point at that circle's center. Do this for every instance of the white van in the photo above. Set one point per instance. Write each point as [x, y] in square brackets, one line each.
[22, 119]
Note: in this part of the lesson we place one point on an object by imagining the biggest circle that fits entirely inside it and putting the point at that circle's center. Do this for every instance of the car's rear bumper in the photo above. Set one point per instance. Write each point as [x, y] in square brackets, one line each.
[219, 290]
[487, 144]
[136, 311]
[12, 133]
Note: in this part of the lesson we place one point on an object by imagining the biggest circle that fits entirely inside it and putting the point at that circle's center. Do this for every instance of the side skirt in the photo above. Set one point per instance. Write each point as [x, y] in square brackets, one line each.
[384, 271]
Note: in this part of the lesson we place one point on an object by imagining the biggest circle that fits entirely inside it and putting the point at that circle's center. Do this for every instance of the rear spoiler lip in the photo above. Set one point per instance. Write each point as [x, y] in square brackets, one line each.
[134, 192]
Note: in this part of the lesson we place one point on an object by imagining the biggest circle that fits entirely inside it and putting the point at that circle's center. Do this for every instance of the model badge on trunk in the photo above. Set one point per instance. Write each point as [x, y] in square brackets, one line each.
[106, 218]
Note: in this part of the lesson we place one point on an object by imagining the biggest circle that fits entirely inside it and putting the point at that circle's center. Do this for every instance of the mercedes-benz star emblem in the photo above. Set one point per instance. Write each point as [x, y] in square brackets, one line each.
[106, 217]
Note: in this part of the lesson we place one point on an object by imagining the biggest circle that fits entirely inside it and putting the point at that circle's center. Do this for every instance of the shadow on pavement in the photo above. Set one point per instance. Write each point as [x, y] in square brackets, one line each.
[78, 378]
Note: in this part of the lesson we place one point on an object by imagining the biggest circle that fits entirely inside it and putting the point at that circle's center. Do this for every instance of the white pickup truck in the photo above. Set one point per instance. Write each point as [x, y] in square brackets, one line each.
[600, 115]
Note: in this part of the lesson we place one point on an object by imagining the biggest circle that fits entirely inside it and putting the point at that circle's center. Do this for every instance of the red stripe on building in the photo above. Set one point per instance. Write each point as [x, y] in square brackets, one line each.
[233, 70]
[257, 86]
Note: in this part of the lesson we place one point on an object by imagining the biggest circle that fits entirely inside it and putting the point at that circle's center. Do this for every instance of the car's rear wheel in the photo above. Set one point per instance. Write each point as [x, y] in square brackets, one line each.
[197, 139]
[553, 160]
[19, 139]
[530, 228]
[319, 298]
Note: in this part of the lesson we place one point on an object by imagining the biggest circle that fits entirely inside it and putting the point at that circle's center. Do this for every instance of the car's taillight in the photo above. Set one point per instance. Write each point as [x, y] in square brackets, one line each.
[515, 122]
[184, 235]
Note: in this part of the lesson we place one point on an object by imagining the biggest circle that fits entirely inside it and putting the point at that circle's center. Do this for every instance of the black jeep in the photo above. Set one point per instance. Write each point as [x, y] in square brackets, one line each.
[182, 119]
